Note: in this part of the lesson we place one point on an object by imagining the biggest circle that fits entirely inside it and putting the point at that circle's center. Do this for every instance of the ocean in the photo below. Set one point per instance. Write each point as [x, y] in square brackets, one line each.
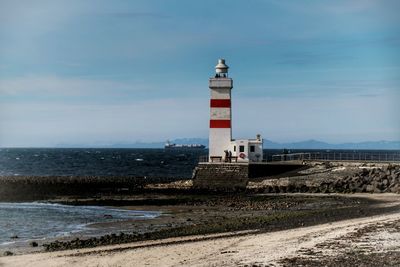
[135, 162]
[98, 162]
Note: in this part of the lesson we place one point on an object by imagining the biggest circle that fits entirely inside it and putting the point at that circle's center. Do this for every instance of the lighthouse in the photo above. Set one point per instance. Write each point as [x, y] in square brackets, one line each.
[220, 137]
[220, 111]
[230, 161]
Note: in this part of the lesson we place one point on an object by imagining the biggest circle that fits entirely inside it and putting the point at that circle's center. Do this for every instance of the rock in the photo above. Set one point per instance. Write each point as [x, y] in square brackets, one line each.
[367, 179]
[364, 172]
[14, 237]
[363, 188]
[385, 182]
[377, 190]
[323, 188]
[8, 253]
[369, 188]
[353, 188]
[33, 244]
[395, 188]
[382, 175]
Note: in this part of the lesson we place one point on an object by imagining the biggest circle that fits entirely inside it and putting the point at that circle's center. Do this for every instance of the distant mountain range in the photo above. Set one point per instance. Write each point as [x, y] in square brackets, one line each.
[314, 144]
[309, 144]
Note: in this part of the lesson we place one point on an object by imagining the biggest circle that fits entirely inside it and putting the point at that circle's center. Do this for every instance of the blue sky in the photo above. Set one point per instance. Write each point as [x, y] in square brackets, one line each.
[101, 72]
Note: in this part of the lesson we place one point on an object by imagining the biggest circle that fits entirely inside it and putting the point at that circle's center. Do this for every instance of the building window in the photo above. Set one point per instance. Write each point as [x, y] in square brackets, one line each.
[241, 148]
[234, 148]
[252, 148]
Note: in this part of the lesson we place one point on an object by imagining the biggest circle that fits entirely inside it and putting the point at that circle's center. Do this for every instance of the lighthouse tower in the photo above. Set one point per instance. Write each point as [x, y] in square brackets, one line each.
[220, 139]
[220, 111]
[229, 160]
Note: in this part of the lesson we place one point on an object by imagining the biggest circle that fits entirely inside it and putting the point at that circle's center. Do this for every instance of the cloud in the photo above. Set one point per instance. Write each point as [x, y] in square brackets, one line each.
[349, 6]
[308, 58]
[47, 124]
[330, 7]
[319, 88]
[36, 18]
[135, 15]
[51, 86]
[334, 119]
[91, 90]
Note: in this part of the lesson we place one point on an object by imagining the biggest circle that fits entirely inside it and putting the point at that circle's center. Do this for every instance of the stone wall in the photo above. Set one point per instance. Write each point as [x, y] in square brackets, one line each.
[221, 177]
[257, 170]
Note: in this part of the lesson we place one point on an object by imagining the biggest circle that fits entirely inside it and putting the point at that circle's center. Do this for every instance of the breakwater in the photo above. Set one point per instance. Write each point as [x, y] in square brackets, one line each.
[235, 176]
[335, 177]
[314, 177]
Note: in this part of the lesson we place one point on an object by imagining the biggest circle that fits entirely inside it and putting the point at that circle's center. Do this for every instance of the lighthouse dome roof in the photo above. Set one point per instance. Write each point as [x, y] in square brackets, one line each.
[221, 66]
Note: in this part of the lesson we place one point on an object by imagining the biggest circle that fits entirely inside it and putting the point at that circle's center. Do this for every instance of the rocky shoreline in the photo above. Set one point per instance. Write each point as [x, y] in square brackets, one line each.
[334, 177]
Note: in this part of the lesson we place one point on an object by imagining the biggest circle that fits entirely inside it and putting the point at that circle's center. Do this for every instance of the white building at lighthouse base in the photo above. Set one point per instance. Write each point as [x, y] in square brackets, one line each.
[247, 150]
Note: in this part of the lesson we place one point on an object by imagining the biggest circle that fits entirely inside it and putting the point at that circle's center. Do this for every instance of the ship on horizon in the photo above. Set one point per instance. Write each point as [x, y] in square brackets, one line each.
[170, 145]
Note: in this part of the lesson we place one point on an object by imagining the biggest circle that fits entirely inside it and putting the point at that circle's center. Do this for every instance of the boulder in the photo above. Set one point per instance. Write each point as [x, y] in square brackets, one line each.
[369, 188]
[33, 244]
[8, 253]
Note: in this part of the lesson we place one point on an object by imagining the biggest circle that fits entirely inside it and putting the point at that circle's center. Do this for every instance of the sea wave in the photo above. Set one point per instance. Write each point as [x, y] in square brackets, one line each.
[24, 221]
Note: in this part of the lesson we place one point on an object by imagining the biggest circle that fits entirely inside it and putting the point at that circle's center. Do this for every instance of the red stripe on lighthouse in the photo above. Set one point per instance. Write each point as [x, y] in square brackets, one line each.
[220, 103]
[220, 123]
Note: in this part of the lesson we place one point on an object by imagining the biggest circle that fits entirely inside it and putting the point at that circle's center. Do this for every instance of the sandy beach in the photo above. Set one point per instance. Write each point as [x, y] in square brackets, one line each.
[234, 249]
[352, 239]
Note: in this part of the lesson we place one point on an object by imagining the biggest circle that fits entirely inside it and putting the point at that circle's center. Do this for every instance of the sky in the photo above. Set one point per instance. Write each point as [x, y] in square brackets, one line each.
[103, 72]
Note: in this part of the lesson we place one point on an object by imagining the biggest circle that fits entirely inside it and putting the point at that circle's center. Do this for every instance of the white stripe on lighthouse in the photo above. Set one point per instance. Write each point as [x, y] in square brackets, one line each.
[220, 113]
[221, 93]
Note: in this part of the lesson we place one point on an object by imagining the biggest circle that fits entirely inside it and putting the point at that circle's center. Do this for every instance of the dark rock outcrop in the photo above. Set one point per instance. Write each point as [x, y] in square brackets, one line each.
[8, 253]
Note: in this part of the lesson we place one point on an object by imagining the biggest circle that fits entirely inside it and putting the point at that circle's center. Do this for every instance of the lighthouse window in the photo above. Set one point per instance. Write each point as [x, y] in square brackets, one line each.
[241, 148]
[252, 148]
[234, 148]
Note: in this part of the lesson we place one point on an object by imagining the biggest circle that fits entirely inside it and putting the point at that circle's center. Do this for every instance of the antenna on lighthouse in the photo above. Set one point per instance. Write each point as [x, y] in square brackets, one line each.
[221, 68]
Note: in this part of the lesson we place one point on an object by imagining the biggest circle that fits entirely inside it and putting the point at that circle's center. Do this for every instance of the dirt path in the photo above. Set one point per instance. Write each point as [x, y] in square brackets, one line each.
[266, 249]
